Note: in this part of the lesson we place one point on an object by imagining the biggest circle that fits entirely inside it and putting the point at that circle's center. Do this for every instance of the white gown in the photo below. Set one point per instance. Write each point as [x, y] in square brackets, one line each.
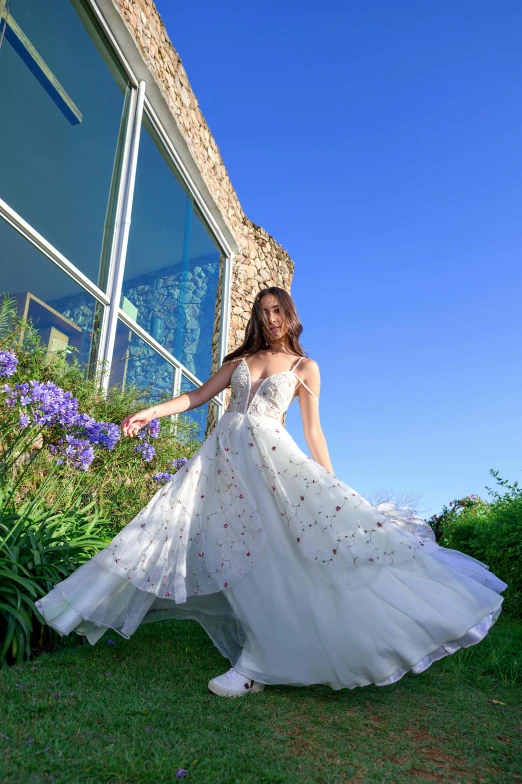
[296, 578]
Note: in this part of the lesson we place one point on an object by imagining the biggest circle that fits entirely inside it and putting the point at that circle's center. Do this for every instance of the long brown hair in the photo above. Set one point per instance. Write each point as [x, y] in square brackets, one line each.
[257, 333]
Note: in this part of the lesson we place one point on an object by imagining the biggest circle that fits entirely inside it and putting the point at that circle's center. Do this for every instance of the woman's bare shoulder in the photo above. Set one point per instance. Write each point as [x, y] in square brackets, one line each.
[309, 366]
[235, 359]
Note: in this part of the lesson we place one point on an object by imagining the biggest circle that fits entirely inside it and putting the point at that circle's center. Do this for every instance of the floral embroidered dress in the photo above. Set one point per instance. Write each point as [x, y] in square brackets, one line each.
[296, 578]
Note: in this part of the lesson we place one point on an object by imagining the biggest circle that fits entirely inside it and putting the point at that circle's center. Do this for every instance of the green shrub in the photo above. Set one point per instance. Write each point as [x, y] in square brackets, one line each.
[124, 482]
[38, 550]
[491, 532]
[57, 510]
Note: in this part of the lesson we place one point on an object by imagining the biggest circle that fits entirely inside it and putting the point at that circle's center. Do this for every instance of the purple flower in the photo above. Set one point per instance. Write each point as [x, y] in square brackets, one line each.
[178, 462]
[48, 404]
[104, 433]
[8, 363]
[23, 421]
[146, 451]
[180, 772]
[151, 429]
[163, 477]
[77, 452]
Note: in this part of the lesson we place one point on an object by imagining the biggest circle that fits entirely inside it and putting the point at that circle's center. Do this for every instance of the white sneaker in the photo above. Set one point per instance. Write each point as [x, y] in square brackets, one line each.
[233, 684]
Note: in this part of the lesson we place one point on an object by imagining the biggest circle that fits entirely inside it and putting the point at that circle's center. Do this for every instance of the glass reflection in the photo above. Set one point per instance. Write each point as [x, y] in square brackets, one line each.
[62, 98]
[173, 264]
[136, 364]
[205, 417]
[65, 316]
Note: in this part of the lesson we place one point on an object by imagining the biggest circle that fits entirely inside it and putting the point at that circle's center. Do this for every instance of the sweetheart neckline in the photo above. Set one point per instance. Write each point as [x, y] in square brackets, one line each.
[280, 373]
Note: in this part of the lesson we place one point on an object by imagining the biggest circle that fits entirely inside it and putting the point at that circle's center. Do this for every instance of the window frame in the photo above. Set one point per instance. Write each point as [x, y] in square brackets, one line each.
[136, 103]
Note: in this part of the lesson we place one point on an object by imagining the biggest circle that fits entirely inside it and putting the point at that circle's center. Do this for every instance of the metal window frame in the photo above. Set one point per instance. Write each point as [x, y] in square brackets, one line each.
[138, 103]
[45, 247]
[120, 236]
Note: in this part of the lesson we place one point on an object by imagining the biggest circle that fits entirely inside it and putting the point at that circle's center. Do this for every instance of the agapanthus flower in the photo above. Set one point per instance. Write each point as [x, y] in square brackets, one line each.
[49, 405]
[104, 433]
[178, 462]
[151, 429]
[162, 477]
[146, 451]
[8, 363]
[77, 452]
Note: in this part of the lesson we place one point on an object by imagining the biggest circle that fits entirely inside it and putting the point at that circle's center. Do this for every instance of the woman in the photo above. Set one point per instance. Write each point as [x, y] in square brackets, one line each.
[296, 578]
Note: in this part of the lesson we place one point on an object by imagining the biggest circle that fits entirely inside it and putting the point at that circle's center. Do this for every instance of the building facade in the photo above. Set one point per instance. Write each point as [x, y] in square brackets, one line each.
[121, 235]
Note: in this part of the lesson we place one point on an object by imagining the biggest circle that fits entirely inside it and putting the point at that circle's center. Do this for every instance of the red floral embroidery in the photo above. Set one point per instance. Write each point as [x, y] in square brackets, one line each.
[225, 585]
[273, 488]
[301, 497]
[226, 525]
[298, 539]
[248, 554]
[251, 444]
[274, 448]
[334, 552]
[202, 496]
[379, 525]
[337, 508]
[241, 495]
[201, 555]
[168, 593]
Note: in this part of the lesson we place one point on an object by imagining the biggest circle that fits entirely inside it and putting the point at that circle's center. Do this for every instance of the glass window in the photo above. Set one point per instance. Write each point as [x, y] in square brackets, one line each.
[137, 364]
[173, 263]
[61, 99]
[205, 417]
[65, 315]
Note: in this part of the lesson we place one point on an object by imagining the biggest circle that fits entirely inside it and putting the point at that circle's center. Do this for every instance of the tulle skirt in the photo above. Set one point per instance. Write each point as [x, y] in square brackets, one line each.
[258, 530]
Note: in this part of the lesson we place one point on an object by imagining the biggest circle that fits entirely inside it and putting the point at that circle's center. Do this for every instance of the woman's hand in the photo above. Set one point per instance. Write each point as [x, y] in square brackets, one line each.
[132, 425]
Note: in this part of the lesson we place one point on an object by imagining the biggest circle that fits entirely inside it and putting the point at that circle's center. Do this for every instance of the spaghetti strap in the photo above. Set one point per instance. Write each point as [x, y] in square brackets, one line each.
[300, 380]
[296, 364]
[308, 388]
[232, 360]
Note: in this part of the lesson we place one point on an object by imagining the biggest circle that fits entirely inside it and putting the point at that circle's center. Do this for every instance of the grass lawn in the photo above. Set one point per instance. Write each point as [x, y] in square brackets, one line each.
[140, 710]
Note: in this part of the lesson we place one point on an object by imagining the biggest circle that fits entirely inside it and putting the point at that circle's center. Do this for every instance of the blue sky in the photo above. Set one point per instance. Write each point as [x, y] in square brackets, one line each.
[381, 144]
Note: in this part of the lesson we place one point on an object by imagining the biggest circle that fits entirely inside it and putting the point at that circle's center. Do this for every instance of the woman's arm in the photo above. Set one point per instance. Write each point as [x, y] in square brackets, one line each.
[310, 413]
[219, 381]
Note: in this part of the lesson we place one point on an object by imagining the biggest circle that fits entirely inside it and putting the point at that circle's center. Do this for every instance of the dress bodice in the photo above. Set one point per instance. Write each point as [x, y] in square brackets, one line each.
[271, 397]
